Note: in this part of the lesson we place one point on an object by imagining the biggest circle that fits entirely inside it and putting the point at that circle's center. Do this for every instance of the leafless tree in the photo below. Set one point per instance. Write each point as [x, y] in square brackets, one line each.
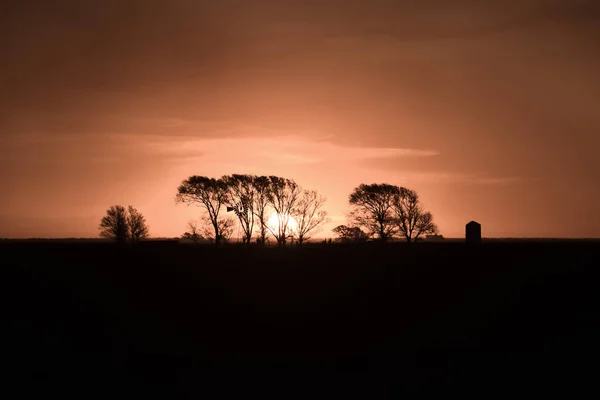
[114, 224]
[350, 234]
[138, 229]
[373, 209]
[241, 201]
[226, 226]
[283, 195]
[193, 232]
[261, 204]
[413, 221]
[209, 193]
[309, 215]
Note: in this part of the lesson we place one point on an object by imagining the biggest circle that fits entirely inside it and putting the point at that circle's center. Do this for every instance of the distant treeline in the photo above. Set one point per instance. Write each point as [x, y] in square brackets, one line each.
[277, 207]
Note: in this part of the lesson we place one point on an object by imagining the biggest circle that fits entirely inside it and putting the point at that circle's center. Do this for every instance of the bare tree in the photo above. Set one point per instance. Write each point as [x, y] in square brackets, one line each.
[309, 214]
[261, 185]
[412, 220]
[209, 193]
[373, 209]
[283, 195]
[226, 227]
[350, 234]
[241, 201]
[114, 224]
[138, 229]
[193, 232]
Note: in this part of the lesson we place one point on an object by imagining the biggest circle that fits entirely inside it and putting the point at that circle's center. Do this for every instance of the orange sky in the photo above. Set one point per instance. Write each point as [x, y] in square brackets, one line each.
[489, 111]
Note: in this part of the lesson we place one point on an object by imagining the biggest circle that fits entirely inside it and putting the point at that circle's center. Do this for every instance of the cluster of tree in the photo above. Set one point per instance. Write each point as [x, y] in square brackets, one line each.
[384, 212]
[349, 234]
[380, 211]
[254, 200]
[123, 224]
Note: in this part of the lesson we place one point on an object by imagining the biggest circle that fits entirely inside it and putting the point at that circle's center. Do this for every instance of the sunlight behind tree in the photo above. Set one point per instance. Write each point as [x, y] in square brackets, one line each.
[273, 223]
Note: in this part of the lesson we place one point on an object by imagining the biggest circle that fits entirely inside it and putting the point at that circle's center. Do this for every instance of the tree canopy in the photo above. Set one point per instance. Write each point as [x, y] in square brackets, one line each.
[208, 193]
[413, 220]
[123, 224]
[373, 209]
[386, 211]
[254, 199]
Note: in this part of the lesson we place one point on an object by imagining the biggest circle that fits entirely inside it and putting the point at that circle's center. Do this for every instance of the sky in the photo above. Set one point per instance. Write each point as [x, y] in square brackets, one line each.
[488, 109]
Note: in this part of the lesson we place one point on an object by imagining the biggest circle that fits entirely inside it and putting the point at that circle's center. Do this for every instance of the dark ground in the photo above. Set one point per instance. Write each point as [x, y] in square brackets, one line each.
[323, 319]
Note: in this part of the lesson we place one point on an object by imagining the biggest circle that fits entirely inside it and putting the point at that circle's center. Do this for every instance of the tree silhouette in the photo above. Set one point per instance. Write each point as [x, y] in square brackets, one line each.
[309, 214]
[209, 193]
[226, 225]
[114, 224]
[193, 232]
[241, 192]
[413, 221]
[373, 209]
[261, 203]
[138, 229]
[283, 195]
[350, 234]
[122, 224]
[203, 229]
[254, 199]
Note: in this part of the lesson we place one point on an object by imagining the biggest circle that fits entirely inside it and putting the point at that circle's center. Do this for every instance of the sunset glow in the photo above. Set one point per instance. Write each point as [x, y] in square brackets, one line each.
[489, 112]
[203, 191]
[273, 222]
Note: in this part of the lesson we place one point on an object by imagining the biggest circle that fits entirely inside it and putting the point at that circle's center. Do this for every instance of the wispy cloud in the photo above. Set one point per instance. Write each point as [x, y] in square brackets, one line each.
[283, 150]
[454, 178]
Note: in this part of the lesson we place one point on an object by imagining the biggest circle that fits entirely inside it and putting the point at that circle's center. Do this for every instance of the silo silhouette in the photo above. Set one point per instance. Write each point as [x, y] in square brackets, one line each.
[473, 232]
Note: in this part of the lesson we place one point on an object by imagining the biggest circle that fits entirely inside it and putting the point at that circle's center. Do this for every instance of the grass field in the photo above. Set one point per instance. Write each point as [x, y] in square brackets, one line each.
[395, 318]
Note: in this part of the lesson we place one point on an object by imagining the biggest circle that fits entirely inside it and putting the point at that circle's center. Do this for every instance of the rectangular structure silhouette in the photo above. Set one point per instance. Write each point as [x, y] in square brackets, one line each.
[473, 232]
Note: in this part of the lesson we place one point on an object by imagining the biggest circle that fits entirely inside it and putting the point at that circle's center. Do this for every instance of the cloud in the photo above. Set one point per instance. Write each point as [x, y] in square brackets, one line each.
[444, 168]
[289, 154]
[245, 154]
[453, 178]
[273, 151]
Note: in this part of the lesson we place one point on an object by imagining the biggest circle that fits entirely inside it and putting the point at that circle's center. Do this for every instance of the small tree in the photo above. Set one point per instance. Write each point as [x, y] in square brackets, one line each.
[373, 209]
[114, 224]
[226, 227]
[209, 193]
[193, 232]
[350, 234]
[413, 221]
[138, 229]
[309, 215]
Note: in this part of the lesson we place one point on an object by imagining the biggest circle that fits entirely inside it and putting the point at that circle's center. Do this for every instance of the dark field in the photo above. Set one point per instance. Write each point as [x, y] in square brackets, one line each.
[323, 318]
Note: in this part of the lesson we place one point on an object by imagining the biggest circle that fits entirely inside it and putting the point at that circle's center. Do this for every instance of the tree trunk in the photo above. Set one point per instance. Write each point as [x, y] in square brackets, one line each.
[263, 234]
[217, 237]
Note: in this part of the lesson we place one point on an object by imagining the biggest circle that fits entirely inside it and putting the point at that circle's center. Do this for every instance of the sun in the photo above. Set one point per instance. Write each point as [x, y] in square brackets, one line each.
[273, 223]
